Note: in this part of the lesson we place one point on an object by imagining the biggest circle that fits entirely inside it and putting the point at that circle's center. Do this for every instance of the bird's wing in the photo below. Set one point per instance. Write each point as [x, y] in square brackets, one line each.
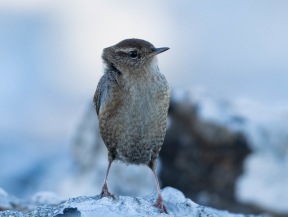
[98, 94]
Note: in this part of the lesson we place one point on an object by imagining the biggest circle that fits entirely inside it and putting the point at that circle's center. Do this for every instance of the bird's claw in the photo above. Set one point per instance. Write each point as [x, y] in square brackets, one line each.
[106, 193]
[160, 205]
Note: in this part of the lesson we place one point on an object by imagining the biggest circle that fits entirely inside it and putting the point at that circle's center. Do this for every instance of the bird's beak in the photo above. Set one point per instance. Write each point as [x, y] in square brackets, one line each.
[156, 51]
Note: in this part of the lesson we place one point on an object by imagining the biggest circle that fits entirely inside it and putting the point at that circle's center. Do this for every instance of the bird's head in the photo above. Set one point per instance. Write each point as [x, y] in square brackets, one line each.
[131, 54]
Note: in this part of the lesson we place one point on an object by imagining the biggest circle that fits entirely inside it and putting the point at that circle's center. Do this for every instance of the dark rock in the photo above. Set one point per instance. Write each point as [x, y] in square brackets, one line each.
[69, 212]
[203, 159]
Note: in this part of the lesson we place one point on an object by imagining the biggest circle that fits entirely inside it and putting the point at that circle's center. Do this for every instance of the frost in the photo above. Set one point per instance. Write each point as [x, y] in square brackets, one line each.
[175, 201]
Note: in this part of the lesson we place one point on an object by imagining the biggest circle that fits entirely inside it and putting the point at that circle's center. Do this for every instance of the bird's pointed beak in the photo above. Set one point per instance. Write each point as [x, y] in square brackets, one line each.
[156, 51]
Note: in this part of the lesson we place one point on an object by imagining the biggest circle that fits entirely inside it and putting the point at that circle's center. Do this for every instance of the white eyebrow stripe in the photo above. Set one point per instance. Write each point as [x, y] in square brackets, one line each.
[127, 50]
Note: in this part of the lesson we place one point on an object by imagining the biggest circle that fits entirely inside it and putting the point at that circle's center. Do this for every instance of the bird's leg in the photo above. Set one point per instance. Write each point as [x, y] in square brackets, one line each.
[159, 202]
[105, 192]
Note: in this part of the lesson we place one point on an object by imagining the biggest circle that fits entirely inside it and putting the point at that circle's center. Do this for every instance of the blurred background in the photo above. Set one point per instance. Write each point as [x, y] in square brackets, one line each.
[227, 141]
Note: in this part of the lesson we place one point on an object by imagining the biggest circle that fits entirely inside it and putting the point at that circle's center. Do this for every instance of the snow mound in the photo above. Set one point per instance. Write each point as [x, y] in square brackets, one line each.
[84, 206]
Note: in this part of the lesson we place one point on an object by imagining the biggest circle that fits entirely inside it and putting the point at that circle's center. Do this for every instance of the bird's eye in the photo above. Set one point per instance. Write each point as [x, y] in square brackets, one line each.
[133, 54]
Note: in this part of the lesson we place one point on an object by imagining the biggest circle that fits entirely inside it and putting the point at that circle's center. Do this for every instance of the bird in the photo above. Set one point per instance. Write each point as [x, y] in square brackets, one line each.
[131, 101]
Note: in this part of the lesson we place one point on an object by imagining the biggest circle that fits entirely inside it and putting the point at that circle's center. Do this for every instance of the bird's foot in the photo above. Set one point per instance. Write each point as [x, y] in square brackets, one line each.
[105, 192]
[159, 204]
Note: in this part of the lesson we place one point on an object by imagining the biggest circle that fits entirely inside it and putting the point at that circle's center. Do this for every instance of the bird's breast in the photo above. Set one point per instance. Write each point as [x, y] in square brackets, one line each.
[146, 96]
[134, 119]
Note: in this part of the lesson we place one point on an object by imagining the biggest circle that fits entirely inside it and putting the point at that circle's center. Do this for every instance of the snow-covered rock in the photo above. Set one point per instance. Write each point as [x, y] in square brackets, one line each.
[176, 203]
[203, 159]
[265, 175]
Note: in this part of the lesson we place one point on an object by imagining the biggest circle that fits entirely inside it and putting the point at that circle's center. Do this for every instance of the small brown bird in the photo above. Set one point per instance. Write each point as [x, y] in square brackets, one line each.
[132, 100]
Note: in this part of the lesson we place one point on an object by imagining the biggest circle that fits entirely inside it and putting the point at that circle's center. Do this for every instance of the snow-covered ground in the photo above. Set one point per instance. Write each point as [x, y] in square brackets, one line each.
[175, 202]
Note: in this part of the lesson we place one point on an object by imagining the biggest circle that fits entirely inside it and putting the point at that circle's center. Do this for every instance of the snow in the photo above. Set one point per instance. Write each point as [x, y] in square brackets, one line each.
[176, 203]
[265, 182]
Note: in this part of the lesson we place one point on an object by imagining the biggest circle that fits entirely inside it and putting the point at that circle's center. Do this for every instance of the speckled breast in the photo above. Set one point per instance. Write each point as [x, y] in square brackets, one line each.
[133, 123]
